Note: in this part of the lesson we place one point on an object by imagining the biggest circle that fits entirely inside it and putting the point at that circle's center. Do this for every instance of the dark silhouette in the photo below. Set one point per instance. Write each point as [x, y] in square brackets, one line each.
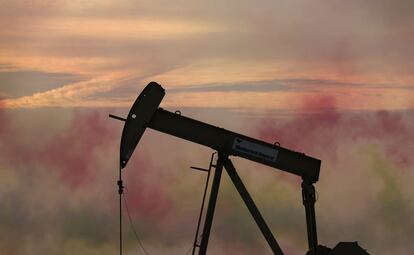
[145, 112]
[345, 248]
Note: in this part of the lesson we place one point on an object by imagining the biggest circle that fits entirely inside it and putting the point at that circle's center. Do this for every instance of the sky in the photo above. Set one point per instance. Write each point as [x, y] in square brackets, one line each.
[332, 79]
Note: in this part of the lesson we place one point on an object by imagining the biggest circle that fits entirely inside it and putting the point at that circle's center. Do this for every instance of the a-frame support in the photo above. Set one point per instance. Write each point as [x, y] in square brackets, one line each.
[224, 161]
[211, 206]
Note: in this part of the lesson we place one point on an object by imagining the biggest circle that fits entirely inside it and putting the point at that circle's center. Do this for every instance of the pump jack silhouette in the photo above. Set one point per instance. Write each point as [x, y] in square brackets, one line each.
[145, 113]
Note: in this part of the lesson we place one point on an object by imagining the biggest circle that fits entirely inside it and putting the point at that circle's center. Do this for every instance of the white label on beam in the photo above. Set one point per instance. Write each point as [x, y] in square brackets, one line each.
[255, 150]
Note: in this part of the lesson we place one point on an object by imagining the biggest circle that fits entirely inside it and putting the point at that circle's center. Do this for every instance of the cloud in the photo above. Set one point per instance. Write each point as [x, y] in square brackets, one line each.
[365, 166]
[209, 44]
[327, 125]
[241, 87]
[76, 94]
[59, 189]
[120, 89]
[303, 85]
[3, 96]
[43, 189]
[25, 83]
[53, 191]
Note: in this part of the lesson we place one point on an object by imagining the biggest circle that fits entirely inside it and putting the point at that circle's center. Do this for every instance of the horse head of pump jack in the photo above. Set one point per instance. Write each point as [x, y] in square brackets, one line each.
[140, 115]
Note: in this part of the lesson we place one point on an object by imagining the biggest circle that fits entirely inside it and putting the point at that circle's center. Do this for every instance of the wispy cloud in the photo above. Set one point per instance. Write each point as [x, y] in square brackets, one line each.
[115, 29]
[70, 95]
[27, 82]
[120, 90]
[216, 48]
[303, 85]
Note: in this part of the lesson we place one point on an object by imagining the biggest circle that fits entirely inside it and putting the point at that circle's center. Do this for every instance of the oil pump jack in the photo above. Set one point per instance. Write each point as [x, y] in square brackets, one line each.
[146, 113]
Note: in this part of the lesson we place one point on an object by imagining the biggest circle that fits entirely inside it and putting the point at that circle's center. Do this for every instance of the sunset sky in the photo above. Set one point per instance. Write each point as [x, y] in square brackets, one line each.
[334, 79]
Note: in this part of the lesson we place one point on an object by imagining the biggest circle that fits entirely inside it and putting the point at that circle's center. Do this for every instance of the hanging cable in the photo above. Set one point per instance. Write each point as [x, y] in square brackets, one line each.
[120, 192]
[122, 196]
[133, 227]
